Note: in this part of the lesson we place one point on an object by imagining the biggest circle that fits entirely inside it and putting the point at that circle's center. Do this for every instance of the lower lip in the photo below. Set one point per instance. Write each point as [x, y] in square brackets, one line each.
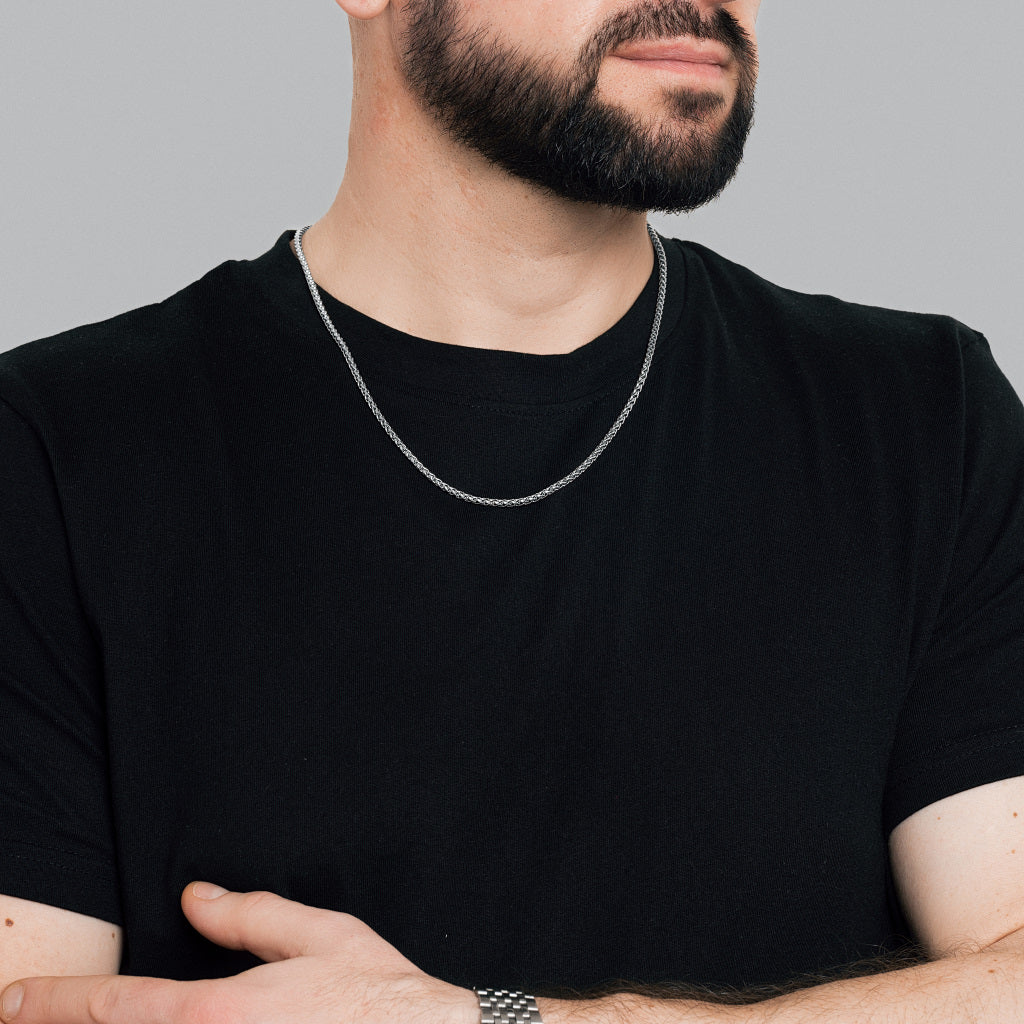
[693, 69]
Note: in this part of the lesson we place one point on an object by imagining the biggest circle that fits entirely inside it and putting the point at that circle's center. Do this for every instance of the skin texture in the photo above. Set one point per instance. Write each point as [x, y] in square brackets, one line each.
[511, 265]
[318, 963]
[88, 945]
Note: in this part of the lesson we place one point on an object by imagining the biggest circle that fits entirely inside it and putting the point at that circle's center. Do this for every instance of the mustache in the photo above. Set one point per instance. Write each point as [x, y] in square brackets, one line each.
[670, 19]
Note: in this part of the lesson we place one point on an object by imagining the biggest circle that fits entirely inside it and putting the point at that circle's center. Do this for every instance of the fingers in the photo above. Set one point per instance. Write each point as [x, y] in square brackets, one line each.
[263, 923]
[98, 999]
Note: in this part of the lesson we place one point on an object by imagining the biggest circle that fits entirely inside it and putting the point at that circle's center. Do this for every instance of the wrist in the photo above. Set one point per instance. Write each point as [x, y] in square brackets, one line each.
[630, 1008]
[462, 1005]
[611, 1009]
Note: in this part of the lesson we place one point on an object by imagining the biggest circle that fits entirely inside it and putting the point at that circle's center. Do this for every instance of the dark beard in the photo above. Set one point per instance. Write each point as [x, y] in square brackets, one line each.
[552, 130]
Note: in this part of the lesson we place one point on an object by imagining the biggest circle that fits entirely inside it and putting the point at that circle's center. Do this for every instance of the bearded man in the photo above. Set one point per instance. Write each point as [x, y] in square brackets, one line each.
[528, 617]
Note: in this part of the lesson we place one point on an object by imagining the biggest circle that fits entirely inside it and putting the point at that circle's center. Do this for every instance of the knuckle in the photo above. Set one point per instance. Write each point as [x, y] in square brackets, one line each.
[322, 930]
[350, 924]
[345, 929]
[344, 923]
[256, 902]
[101, 1002]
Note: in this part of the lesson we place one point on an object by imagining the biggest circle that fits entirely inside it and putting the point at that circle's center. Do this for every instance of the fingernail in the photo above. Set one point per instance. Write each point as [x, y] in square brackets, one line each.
[12, 1000]
[206, 891]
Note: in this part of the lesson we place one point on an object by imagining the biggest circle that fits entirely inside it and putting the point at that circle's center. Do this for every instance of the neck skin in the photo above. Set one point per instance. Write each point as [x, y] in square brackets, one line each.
[432, 240]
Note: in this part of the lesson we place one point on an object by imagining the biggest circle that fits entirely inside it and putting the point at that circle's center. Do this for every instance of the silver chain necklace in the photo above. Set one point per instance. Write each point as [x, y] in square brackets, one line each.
[433, 478]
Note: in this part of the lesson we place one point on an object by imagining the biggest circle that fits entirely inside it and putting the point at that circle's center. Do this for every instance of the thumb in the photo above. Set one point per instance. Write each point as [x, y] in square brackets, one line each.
[261, 922]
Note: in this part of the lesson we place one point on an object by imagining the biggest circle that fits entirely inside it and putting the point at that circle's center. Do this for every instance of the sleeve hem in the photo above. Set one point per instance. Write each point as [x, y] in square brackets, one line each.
[60, 879]
[976, 763]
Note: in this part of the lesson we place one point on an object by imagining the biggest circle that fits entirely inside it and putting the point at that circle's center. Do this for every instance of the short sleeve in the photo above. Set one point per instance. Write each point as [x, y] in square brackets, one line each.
[962, 722]
[56, 844]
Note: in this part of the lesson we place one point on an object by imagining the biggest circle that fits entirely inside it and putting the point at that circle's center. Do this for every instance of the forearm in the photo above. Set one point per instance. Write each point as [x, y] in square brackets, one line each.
[982, 988]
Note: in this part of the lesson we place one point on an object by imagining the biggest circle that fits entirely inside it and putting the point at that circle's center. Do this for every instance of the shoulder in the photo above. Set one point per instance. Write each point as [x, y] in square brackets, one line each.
[110, 361]
[136, 373]
[825, 326]
[917, 391]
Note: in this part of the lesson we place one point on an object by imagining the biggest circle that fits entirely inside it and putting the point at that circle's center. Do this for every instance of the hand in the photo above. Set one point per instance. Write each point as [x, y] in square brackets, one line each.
[321, 967]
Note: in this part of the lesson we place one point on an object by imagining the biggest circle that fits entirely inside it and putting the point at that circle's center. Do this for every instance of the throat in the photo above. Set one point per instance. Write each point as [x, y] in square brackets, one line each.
[506, 303]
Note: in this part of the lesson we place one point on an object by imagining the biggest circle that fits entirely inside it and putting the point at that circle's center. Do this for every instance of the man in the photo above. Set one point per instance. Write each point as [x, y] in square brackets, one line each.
[496, 595]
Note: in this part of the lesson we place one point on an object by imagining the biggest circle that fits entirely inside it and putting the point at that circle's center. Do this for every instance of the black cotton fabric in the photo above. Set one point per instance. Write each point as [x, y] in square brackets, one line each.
[657, 726]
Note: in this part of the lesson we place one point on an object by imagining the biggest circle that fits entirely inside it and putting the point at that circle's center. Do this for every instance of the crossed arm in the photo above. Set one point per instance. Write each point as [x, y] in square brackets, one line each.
[985, 987]
[958, 865]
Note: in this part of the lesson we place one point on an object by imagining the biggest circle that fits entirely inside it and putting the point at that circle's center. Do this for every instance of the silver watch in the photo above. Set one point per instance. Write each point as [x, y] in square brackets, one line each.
[499, 1006]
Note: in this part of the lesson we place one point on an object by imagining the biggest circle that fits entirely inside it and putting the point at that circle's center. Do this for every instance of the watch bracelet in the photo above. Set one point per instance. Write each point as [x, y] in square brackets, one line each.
[500, 1006]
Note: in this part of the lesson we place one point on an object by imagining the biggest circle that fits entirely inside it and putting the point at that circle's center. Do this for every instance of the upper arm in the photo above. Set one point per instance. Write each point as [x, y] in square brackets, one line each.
[958, 866]
[39, 940]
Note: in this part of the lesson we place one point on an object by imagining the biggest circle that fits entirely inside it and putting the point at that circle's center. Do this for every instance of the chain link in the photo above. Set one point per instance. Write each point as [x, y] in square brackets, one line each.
[432, 477]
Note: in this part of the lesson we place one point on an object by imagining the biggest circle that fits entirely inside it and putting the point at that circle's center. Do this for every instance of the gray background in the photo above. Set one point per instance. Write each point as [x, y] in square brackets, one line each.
[143, 144]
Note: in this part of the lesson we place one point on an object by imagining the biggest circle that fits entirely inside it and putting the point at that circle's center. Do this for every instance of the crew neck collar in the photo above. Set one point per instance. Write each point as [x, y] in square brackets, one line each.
[391, 357]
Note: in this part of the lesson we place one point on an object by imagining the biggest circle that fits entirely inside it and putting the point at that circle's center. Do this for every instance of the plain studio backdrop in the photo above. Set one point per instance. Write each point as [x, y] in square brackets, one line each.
[144, 144]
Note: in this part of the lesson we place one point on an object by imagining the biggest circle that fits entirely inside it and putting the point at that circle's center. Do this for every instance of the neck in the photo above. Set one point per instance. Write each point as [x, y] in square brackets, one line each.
[436, 242]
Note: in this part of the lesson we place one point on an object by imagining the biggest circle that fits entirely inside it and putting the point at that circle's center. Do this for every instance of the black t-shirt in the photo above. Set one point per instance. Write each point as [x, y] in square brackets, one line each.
[655, 727]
